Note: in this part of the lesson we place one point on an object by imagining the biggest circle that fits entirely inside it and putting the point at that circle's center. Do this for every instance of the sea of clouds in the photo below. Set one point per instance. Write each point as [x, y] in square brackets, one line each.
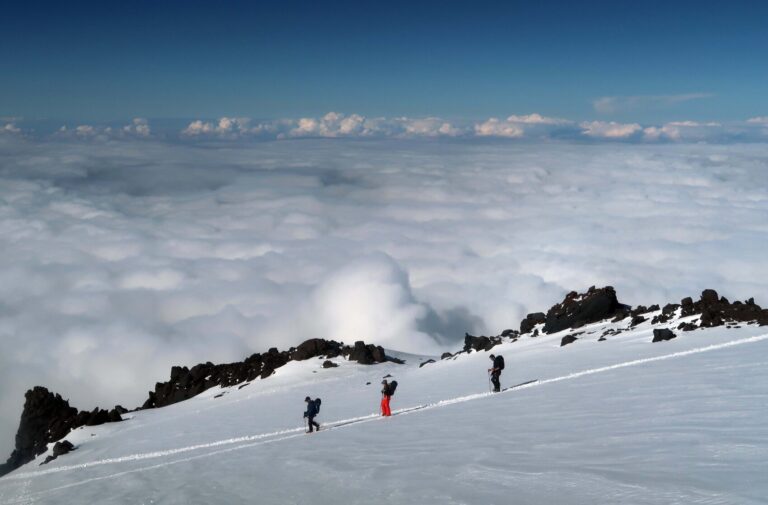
[123, 255]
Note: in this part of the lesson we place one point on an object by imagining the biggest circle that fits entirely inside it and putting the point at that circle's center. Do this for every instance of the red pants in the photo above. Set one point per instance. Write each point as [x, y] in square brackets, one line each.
[385, 406]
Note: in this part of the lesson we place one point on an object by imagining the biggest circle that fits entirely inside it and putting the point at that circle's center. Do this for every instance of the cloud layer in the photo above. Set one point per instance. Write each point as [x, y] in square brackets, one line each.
[121, 258]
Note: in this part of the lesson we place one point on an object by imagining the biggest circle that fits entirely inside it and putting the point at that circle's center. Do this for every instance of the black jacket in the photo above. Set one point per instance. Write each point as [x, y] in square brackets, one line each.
[311, 409]
[498, 363]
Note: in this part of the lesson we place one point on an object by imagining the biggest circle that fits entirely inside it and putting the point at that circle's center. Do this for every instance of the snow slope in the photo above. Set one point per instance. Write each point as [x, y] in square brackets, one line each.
[619, 421]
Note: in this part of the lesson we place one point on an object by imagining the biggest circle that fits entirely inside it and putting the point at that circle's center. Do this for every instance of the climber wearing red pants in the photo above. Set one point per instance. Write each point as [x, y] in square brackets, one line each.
[386, 393]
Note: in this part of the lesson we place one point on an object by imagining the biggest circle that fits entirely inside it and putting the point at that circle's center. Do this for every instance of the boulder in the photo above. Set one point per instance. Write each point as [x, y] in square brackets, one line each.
[662, 334]
[530, 321]
[59, 449]
[568, 339]
[329, 364]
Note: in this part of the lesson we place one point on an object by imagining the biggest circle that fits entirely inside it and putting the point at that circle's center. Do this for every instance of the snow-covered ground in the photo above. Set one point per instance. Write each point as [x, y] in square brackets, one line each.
[620, 421]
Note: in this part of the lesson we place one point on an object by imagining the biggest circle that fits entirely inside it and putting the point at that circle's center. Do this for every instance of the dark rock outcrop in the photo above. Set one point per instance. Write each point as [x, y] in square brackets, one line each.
[446, 355]
[186, 382]
[365, 354]
[568, 339]
[660, 335]
[482, 343]
[717, 311]
[316, 347]
[576, 309]
[46, 418]
[531, 320]
[426, 362]
[329, 364]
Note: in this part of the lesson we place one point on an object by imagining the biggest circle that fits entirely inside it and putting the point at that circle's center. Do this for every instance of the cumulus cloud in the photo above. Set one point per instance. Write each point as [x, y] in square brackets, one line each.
[226, 127]
[515, 126]
[758, 120]
[493, 127]
[682, 130]
[137, 128]
[529, 126]
[9, 128]
[331, 125]
[609, 129]
[614, 104]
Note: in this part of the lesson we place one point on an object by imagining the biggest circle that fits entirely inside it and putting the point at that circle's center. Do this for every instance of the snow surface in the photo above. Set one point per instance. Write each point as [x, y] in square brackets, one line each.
[619, 421]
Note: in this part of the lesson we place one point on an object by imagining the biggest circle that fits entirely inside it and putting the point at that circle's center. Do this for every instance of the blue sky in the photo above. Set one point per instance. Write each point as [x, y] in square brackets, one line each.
[650, 62]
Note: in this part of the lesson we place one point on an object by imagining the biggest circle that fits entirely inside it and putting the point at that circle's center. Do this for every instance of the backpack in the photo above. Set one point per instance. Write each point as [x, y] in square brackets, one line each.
[392, 387]
[318, 402]
[499, 362]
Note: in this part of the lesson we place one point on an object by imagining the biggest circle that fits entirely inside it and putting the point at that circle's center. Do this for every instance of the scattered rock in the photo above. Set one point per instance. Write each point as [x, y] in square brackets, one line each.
[426, 362]
[637, 320]
[329, 364]
[662, 334]
[446, 355]
[568, 339]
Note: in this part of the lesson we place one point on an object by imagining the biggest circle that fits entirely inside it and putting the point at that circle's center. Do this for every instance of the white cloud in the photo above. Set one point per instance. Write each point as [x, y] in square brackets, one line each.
[682, 130]
[139, 127]
[760, 120]
[609, 129]
[495, 128]
[537, 119]
[9, 128]
[614, 104]
[518, 126]
[226, 127]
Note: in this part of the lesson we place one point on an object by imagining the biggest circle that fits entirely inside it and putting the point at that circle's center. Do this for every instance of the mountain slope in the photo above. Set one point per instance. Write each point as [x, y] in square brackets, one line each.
[618, 421]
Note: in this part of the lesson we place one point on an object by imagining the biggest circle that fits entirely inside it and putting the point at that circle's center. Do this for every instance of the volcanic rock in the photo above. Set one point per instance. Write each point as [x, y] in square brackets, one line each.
[576, 309]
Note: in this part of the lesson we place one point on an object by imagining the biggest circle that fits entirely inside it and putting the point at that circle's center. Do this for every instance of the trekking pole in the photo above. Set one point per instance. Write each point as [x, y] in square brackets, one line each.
[489, 382]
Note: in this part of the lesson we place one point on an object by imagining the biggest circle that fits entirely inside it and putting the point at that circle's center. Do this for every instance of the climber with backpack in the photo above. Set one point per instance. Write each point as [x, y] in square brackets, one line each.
[387, 391]
[313, 409]
[498, 366]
